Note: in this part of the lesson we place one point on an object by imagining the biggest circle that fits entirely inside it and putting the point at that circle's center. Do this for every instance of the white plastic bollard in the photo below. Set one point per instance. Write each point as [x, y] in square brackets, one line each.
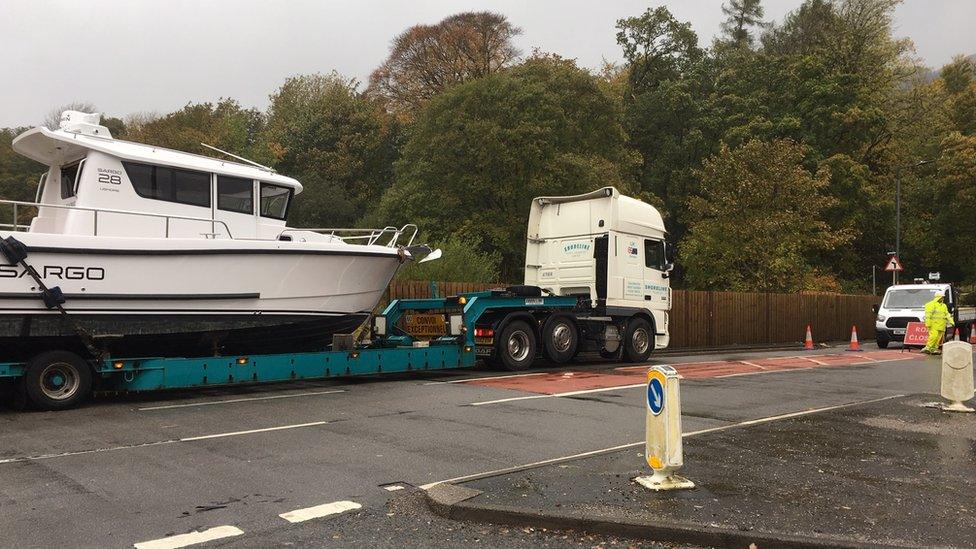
[957, 375]
[663, 450]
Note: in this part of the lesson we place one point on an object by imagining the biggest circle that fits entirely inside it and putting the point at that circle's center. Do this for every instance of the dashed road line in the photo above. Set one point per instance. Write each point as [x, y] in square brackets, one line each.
[562, 459]
[192, 538]
[309, 513]
[162, 442]
[555, 395]
[236, 400]
[467, 380]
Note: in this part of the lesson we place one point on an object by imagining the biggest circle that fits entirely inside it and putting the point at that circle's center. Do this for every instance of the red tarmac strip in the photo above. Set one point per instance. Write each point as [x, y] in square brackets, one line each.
[565, 382]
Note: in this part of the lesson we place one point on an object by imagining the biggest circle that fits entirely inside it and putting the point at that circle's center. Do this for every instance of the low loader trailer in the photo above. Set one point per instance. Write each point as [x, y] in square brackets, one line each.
[596, 279]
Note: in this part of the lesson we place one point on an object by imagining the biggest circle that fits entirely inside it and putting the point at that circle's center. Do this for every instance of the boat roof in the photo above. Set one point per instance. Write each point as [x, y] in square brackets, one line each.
[53, 147]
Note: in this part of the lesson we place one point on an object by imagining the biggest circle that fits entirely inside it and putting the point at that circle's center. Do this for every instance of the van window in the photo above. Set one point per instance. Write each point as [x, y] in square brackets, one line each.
[169, 184]
[235, 194]
[274, 201]
[654, 254]
[69, 174]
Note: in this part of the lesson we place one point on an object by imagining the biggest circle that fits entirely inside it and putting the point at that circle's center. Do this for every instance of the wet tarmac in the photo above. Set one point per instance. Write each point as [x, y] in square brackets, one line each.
[889, 473]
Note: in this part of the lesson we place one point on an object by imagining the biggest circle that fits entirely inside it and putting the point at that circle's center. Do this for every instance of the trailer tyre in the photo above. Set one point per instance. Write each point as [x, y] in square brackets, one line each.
[516, 348]
[56, 380]
[560, 339]
[638, 340]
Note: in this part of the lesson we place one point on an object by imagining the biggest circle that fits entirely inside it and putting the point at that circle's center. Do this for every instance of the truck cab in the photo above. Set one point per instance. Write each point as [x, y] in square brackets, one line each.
[904, 303]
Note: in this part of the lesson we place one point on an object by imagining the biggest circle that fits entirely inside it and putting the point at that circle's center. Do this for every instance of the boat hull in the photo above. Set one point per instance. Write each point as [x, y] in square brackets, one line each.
[222, 298]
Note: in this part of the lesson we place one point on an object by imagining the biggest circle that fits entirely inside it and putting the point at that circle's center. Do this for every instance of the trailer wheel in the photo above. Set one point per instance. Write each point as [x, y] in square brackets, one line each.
[516, 348]
[57, 380]
[638, 340]
[560, 339]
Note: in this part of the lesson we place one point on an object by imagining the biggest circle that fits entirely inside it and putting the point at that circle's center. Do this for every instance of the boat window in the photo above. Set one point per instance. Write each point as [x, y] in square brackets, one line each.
[69, 174]
[274, 201]
[169, 184]
[235, 194]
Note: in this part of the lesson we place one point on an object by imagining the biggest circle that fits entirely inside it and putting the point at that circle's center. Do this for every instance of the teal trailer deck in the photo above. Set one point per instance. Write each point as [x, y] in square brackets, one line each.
[390, 349]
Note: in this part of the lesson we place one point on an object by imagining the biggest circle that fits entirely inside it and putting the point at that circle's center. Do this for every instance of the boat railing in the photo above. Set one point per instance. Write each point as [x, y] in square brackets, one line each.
[167, 218]
[387, 236]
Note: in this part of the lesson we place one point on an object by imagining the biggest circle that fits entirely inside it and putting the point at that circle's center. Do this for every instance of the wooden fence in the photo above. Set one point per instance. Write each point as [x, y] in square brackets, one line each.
[715, 319]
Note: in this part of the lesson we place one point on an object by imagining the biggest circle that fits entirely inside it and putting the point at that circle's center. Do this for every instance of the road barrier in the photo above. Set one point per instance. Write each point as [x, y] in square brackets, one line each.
[663, 449]
[718, 319]
[957, 375]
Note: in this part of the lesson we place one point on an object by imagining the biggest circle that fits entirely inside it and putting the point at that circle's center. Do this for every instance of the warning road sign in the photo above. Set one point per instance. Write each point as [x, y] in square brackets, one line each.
[894, 264]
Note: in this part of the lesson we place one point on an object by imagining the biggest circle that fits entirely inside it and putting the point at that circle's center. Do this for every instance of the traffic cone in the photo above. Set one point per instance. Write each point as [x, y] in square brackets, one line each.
[972, 334]
[956, 336]
[855, 345]
[808, 344]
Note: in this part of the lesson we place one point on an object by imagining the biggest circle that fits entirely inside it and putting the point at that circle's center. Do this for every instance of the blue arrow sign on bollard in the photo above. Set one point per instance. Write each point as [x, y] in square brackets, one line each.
[655, 396]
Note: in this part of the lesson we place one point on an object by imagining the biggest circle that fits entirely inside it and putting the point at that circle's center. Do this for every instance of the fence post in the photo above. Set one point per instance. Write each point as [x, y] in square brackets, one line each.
[712, 330]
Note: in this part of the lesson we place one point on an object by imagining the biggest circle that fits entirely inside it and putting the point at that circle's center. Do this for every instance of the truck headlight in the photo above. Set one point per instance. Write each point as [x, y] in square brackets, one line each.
[881, 318]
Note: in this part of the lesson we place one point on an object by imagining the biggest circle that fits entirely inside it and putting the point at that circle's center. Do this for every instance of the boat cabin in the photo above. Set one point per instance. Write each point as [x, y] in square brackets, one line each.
[100, 186]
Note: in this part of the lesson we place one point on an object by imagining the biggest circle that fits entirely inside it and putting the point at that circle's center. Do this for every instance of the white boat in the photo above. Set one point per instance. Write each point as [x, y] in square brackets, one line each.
[165, 253]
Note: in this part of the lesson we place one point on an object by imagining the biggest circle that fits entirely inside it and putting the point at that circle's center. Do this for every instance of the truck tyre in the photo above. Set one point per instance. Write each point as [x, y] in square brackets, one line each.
[560, 339]
[516, 348]
[638, 340]
[57, 380]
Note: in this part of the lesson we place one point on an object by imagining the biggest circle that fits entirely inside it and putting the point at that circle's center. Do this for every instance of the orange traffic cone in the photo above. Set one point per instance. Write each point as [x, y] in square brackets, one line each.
[972, 334]
[808, 344]
[956, 336]
[855, 345]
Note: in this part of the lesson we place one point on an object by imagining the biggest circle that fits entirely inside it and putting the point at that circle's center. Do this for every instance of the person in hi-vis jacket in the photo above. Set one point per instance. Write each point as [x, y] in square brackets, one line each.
[937, 321]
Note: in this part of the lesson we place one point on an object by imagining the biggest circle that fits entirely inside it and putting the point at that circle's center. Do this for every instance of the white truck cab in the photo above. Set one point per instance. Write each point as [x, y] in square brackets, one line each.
[904, 303]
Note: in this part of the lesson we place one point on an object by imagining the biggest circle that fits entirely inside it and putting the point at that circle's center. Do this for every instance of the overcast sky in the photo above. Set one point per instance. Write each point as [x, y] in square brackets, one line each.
[129, 56]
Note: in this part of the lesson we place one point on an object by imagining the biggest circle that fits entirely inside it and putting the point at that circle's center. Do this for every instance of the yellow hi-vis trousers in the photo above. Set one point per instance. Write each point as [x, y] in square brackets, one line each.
[936, 334]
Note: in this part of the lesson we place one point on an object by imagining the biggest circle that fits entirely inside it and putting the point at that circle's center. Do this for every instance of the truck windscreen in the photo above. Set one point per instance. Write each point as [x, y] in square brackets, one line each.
[914, 298]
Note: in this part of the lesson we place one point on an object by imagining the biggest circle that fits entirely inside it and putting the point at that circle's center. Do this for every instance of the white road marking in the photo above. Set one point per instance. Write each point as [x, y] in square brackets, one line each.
[393, 487]
[814, 361]
[334, 508]
[785, 370]
[182, 540]
[252, 431]
[555, 395]
[161, 442]
[641, 443]
[753, 364]
[483, 378]
[231, 401]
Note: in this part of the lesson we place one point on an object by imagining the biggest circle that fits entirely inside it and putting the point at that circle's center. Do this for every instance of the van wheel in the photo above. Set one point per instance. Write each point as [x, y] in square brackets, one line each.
[560, 339]
[638, 340]
[57, 380]
[882, 342]
[516, 348]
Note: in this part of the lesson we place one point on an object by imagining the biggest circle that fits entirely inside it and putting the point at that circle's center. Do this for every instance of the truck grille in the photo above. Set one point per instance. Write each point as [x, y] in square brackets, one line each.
[900, 321]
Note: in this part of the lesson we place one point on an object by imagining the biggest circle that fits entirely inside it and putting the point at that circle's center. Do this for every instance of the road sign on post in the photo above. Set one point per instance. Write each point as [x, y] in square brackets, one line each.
[663, 450]
[894, 265]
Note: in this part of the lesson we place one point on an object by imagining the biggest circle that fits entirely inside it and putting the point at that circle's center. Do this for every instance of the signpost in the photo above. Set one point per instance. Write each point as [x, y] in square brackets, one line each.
[663, 450]
[894, 267]
[916, 334]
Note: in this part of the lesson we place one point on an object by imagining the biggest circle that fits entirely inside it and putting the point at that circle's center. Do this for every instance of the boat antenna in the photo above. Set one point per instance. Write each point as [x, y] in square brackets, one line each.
[241, 158]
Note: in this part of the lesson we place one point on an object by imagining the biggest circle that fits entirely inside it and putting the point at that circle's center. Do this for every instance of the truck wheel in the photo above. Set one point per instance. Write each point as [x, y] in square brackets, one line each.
[560, 339]
[56, 380]
[638, 340]
[516, 348]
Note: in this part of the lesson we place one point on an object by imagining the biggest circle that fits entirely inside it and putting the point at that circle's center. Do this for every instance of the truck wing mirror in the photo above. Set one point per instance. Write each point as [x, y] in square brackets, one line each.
[875, 308]
[668, 267]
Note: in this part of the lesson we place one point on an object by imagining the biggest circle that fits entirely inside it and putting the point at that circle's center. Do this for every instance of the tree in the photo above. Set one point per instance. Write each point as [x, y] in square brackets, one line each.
[225, 125]
[479, 152]
[742, 14]
[657, 47]
[463, 261]
[340, 145]
[757, 224]
[425, 60]
[958, 74]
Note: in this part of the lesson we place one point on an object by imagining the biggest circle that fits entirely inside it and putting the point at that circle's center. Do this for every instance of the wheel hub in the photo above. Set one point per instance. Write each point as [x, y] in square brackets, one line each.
[562, 338]
[518, 346]
[641, 340]
[59, 381]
